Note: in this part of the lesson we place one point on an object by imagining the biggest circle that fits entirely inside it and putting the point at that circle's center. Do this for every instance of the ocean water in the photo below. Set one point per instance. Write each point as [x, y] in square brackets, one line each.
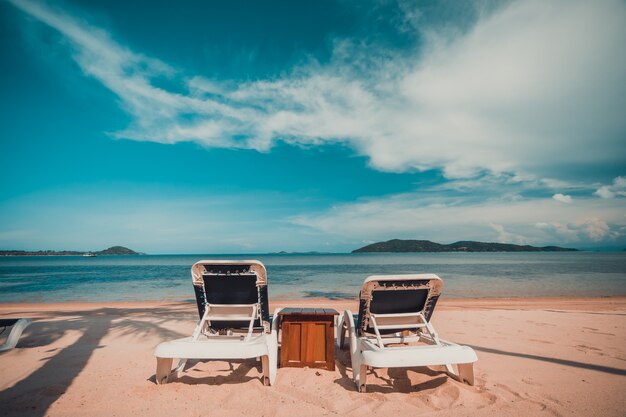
[167, 277]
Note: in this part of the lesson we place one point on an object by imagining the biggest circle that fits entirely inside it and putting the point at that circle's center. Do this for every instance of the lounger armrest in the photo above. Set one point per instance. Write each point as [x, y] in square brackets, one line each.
[348, 318]
[276, 320]
[347, 323]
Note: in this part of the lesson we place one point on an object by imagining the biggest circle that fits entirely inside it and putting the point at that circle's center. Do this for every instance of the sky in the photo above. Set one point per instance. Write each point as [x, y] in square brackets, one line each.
[262, 126]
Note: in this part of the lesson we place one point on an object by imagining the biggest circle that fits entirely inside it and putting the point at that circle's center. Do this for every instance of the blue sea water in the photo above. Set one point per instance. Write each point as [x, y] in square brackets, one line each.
[167, 277]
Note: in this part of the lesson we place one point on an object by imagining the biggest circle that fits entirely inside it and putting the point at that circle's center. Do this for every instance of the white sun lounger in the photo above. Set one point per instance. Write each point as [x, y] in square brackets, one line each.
[234, 320]
[17, 327]
[396, 310]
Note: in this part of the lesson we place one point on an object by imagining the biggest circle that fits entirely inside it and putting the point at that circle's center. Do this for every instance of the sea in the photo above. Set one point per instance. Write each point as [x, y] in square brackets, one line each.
[47, 279]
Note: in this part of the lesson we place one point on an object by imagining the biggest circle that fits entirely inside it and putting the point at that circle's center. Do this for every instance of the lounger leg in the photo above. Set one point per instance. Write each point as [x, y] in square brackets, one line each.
[164, 367]
[342, 336]
[272, 356]
[355, 360]
[343, 329]
[466, 372]
[362, 378]
[452, 373]
[265, 362]
[180, 367]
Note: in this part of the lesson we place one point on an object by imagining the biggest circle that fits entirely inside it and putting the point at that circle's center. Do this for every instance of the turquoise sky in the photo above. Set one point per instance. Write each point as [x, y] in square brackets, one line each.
[259, 126]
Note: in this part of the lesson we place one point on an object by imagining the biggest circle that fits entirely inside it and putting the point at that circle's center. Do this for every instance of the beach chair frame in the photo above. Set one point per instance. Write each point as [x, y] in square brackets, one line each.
[371, 335]
[219, 334]
[17, 327]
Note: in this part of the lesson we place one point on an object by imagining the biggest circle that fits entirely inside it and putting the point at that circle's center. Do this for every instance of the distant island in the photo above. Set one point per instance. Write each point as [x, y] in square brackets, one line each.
[398, 245]
[113, 250]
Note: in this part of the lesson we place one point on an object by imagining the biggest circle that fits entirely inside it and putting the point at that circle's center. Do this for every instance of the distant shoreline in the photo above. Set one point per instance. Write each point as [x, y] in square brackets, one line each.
[113, 250]
[236, 255]
[67, 255]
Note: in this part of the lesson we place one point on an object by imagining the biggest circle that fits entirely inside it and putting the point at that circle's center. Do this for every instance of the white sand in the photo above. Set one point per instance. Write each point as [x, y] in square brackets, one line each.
[536, 357]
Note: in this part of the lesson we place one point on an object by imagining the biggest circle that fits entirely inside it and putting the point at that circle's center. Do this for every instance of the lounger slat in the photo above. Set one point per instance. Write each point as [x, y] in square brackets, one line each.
[229, 317]
[379, 315]
[232, 305]
[400, 326]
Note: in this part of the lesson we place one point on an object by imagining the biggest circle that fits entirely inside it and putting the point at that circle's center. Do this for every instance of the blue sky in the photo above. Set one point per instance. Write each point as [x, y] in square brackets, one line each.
[234, 127]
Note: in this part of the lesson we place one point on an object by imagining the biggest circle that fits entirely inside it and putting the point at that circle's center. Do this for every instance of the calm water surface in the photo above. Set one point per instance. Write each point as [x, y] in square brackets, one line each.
[167, 277]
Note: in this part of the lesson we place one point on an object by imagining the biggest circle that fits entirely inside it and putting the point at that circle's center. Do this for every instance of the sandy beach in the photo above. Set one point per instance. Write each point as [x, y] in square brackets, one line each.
[540, 356]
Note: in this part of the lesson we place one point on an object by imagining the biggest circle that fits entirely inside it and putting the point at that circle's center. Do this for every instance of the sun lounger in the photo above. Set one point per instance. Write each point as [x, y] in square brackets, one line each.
[17, 327]
[393, 329]
[234, 320]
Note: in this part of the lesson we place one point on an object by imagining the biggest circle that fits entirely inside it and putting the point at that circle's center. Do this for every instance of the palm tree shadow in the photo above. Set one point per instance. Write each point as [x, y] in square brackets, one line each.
[39, 390]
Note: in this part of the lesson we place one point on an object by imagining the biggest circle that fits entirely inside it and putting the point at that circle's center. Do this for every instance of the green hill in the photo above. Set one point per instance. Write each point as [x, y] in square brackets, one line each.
[113, 250]
[117, 250]
[398, 245]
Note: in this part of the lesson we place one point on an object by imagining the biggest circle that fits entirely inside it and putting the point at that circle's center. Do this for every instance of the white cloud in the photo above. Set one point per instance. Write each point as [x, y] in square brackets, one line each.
[425, 215]
[562, 198]
[531, 84]
[588, 229]
[605, 192]
[512, 104]
[618, 188]
[596, 229]
[507, 237]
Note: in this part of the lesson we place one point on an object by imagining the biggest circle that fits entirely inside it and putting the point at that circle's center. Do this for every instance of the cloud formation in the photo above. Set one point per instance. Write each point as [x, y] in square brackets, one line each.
[617, 189]
[532, 87]
[590, 228]
[562, 198]
[527, 100]
[428, 215]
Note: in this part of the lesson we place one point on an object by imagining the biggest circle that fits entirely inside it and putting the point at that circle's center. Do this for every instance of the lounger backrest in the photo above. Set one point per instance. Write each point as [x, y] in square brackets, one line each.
[393, 294]
[231, 282]
[231, 288]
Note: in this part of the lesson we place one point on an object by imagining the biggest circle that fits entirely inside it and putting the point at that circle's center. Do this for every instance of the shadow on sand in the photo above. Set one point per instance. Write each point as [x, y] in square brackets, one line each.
[566, 362]
[396, 380]
[34, 394]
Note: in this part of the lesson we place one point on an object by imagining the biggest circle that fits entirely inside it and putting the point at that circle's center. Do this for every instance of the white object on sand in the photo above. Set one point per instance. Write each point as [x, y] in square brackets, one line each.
[396, 310]
[232, 299]
[17, 327]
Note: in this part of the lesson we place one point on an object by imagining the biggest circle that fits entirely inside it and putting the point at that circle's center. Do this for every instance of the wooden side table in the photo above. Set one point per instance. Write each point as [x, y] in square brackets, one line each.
[308, 338]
